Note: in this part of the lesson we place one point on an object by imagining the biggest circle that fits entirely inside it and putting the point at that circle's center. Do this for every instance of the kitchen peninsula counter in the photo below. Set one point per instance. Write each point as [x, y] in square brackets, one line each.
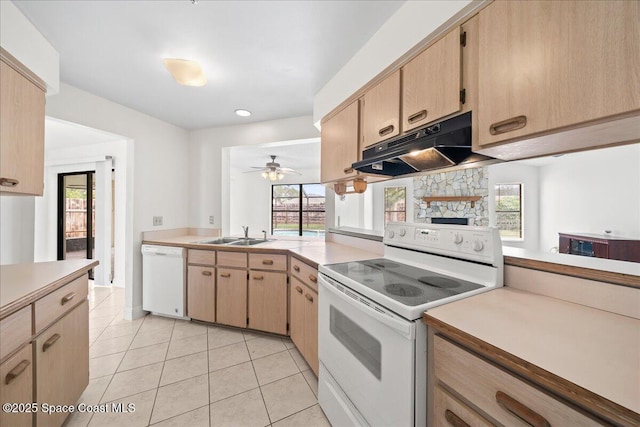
[22, 284]
[588, 356]
[315, 251]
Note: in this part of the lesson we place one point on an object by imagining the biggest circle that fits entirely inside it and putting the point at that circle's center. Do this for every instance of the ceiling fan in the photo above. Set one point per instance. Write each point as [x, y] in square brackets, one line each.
[272, 170]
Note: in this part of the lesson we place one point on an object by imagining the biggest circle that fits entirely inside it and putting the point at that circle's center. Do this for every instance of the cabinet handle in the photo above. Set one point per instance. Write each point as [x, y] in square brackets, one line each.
[508, 125]
[65, 299]
[454, 420]
[267, 262]
[298, 289]
[225, 274]
[258, 277]
[51, 341]
[206, 273]
[9, 182]
[15, 372]
[521, 411]
[308, 297]
[386, 130]
[420, 115]
[296, 268]
[348, 170]
[313, 278]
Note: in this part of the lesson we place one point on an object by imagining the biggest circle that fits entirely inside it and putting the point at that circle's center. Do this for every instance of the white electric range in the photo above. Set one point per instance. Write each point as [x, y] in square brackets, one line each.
[372, 343]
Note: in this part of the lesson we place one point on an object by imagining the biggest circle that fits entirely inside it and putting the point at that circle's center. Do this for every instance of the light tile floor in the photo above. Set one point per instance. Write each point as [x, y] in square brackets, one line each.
[180, 373]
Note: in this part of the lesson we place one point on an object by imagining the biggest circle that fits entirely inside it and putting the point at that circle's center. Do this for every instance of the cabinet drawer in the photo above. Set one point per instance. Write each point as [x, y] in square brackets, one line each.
[306, 273]
[449, 411]
[196, 256]
[15, 330]
[268, 262]
[497, 393]
[16, 386]
[232, 259]
[57, 303]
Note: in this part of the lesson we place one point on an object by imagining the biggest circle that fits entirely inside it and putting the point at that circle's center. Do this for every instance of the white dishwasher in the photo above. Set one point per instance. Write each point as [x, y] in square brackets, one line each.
[163, 280]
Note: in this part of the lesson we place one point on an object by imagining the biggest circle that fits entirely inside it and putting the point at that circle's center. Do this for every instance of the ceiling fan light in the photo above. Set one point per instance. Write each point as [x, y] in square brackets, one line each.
[280, 175]
[187, 73]
[265, 175]
[273, 175]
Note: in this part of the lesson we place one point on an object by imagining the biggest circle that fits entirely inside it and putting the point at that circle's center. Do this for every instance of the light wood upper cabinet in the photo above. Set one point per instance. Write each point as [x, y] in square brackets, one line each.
[232, 297]
[201, 293]
[21, 131]
[431, 83]
[339, 144]
[548, 65]
[381, 111]
[268, 301]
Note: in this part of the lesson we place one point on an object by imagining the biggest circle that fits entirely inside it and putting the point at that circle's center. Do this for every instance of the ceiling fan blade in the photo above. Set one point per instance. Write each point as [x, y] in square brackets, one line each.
[258, 167]
[259, 170]
[289, 170]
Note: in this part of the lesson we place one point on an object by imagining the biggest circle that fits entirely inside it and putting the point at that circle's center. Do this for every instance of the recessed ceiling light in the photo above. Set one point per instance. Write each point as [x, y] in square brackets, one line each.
[243, 113]
[187, 73]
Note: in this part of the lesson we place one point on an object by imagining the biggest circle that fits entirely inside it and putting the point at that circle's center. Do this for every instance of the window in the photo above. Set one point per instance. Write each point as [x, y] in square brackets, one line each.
[395, 205]
[297, 210]
[509, 210]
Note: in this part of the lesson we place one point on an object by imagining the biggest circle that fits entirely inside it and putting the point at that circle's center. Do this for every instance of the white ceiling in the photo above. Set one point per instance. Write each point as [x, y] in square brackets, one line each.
[60, 134]
[299, 155]
[269, 57]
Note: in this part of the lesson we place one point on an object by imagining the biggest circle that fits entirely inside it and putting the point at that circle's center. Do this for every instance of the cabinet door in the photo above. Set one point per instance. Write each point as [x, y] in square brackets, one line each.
[296, 313]
[431, 83]
[546, 65]
[201, 293]
[62, 363]
[232, 297]
[311, 329]
[268, 301]
[339, 147]
[16, 386]
[381, 111]
[21, 133]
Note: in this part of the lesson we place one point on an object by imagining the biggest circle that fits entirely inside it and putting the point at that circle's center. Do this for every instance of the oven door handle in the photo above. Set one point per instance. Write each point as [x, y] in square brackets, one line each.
[405, 328]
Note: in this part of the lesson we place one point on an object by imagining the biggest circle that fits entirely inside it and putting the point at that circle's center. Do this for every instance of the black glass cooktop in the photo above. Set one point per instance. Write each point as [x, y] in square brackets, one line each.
[406, 284]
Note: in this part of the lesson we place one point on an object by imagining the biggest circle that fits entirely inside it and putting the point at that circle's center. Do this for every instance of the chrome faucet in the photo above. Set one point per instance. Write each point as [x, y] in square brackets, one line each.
[265, 235]
[246, 231]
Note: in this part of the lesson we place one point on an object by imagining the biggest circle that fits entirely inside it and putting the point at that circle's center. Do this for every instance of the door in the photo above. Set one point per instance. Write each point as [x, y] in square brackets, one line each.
[16, 386]
[369, 352]
[201, 293]
[339, 146]
[381, 111]
[232, 297]
[297, 327]
[311, 328]
[268, 301]
[76, 216]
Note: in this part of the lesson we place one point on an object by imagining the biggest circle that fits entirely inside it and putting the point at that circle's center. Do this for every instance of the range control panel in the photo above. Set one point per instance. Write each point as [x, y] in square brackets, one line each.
[461, 241]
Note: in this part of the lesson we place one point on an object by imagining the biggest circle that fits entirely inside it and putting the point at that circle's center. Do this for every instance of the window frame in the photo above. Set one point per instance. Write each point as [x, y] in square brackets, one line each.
[396, 211]
[300, 211]
[520, 211]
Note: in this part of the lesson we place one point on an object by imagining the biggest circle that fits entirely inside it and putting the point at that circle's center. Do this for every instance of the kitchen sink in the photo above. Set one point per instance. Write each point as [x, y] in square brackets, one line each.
[247, 242]
[219, 241]
[235, 241]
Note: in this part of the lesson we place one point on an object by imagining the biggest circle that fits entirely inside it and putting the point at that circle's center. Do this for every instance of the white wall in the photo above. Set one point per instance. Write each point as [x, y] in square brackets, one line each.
[412, 22]
[157, 160]
[79, 159]
[528, 176]
[589, 192]
[209, 189]
[22, 40]
[16, 229]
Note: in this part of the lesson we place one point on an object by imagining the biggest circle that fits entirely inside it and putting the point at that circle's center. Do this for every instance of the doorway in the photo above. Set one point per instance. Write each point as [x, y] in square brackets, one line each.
[76, 216]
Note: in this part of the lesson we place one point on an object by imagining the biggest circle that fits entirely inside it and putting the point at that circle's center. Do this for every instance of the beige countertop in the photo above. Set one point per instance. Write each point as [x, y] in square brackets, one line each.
[22, 284]
[313, 250]
[596, 350]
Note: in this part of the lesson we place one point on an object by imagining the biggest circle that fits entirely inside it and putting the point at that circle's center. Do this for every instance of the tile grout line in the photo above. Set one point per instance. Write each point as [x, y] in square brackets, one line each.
[153, 407]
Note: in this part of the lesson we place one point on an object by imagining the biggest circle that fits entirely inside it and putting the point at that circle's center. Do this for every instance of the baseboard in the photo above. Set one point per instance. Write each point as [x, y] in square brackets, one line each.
[132, 313]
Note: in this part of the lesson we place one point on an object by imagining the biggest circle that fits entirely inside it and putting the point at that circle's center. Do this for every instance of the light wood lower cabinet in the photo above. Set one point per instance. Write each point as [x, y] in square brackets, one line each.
[62, 363]
[232, 297]
[268, 301]
[16, 386]
[494, 394]
[201, 293]
[304, 321]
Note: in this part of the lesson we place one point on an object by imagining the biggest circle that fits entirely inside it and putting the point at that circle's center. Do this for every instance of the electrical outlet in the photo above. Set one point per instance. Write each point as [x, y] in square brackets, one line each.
[211, 219]
[157, 220]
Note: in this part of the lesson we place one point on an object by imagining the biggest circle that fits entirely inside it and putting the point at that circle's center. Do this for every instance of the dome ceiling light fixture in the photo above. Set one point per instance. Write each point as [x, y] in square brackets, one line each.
[272, 170]
[243, 113]
[185, 72]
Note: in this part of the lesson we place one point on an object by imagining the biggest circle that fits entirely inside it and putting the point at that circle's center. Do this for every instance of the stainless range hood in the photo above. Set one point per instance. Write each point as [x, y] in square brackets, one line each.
[441, 145]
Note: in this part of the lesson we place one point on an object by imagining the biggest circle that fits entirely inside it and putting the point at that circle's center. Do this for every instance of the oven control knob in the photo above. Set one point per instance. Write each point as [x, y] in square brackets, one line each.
[457, 238]
[402, 232]
[391, 233]
[478, 246]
